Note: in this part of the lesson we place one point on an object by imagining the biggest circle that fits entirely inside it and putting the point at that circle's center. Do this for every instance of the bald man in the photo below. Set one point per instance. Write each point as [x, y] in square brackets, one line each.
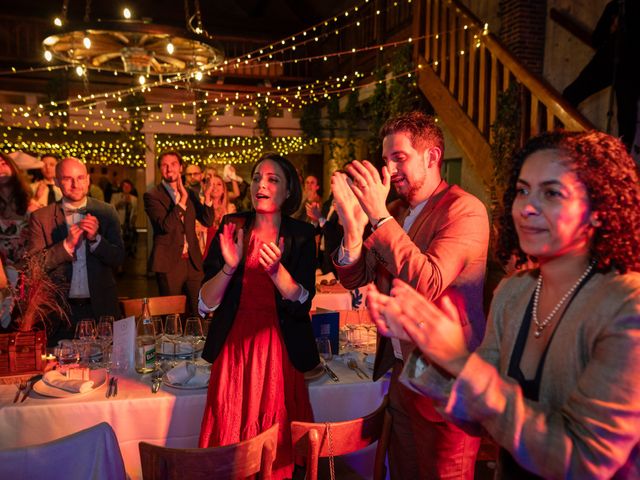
[83, 245]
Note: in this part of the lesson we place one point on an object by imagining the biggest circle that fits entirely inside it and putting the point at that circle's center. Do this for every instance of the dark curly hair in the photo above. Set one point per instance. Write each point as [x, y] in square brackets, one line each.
[610, 175]
[292, 202]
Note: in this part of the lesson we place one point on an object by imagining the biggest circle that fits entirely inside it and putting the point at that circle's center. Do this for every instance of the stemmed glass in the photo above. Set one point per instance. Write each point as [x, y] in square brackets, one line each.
[193, 334]
[67, 354]
[172, 332]
[104, 334]
[85, 336]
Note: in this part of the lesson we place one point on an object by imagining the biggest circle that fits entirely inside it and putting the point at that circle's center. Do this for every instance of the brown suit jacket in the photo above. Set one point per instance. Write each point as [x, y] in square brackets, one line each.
[48, 229]
[169, 229]
[445, 251]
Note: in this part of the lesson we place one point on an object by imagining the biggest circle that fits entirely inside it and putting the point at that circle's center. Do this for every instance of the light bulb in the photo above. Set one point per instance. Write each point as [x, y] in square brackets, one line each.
[126, 13]
[170, 48]
[86, 41]
[79, 70]
[142, 80]
[48, 56]
[57, 22]
[198, 76]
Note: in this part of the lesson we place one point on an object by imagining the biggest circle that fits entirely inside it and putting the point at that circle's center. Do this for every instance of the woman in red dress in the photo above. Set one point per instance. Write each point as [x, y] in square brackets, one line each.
[259, 282]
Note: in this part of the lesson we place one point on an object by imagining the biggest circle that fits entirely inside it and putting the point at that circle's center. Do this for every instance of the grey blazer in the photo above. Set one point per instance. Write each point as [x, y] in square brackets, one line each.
[48, 229]
[586, 423]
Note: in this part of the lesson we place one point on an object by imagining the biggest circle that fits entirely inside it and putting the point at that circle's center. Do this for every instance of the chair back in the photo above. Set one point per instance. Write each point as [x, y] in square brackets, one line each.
[92, 453]
[233, 462]
[157, 305]
[315, 440]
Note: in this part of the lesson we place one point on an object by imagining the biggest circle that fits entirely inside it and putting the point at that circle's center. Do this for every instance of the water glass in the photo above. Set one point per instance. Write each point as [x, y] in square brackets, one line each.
[67, 355]
[324, 348]
[193, 334]
[172, 333]
[104, 334]
[85, 337]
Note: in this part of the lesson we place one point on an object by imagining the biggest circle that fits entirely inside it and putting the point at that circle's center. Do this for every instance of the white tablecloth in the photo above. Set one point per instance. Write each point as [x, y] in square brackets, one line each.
[171, 417]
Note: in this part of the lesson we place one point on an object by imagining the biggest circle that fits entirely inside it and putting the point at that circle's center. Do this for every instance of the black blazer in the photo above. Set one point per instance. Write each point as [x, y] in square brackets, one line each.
[298, 258]
[169, 229]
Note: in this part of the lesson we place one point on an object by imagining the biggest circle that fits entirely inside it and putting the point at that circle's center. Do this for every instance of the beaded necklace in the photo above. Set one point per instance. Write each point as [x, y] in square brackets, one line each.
[541, 325]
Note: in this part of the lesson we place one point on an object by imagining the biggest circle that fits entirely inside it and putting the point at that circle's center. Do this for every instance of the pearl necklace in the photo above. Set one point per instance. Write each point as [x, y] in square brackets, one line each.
[541, 325]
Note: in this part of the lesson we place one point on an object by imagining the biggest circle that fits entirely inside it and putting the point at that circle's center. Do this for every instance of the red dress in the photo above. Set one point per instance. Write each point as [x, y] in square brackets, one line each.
[253, 384]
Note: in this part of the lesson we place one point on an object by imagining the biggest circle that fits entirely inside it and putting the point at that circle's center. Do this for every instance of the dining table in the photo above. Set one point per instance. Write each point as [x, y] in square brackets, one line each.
[171, 417]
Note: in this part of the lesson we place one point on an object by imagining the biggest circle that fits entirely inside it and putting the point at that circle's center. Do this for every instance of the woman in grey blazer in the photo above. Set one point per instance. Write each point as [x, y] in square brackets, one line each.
[555, 381]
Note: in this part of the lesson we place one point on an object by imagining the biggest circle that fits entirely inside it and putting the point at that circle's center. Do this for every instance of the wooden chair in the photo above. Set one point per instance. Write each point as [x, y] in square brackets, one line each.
[157, 305]
[232, 462]
[315, 440]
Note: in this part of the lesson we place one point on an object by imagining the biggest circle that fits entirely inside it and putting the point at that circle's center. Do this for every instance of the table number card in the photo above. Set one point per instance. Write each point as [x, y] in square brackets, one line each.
[124, 342]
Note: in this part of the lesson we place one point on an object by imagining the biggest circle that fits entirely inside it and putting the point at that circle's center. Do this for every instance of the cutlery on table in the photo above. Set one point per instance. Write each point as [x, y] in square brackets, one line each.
[353, 365]
[30, 383]
[156, 381]
[115, 386]
[330, 372]
[109, 388]
[21, 388]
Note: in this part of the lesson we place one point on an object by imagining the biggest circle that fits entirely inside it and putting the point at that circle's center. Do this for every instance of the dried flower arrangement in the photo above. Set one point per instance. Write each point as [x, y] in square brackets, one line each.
[36, 297]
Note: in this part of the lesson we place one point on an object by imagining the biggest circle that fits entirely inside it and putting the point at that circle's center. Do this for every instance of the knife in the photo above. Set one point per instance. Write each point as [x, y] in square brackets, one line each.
[30, 383]
[330, 372]
[110, 388]
[115, 386]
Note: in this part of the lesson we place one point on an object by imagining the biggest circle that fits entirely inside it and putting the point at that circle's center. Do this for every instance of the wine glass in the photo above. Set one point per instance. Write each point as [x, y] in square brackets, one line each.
[85, 336]
[104, 334]
[67, 354]
[193, 334]
[172, 332]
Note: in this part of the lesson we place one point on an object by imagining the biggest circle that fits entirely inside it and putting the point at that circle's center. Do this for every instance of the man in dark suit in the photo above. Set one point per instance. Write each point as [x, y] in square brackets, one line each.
[83, 245]
[173, 209]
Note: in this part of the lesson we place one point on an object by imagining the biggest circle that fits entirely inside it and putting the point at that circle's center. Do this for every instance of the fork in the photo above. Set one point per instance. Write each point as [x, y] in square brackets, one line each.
[21, 388]
[352, 365]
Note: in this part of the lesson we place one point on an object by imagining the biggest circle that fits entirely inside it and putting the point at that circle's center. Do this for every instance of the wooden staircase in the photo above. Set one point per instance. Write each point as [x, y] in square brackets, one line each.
[464, 68]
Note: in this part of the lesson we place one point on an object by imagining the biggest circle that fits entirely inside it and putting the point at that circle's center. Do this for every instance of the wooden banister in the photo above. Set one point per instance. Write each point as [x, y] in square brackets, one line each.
[474, 67]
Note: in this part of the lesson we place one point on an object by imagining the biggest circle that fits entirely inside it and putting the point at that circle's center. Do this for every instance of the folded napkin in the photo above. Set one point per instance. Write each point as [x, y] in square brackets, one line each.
[55, 379]
[185, 373]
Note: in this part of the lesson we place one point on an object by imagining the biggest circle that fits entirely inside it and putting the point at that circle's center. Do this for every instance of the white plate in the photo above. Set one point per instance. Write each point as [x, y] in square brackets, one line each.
[195, 386]
[314, 374]
[98, 376]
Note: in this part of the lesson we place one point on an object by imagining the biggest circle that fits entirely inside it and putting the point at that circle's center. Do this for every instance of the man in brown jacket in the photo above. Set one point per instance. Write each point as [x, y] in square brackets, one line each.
[435, 238]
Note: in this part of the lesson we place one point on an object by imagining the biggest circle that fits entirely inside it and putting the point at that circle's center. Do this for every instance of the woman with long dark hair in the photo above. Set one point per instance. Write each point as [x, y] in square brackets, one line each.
[555, 381]
[259, 281]
[15, 206]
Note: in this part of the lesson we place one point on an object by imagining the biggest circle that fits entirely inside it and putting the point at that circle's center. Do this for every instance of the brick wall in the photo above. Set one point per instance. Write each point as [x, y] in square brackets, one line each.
[522, 29]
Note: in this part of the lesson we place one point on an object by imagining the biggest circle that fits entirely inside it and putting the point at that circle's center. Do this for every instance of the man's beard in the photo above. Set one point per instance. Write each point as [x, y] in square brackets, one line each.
[411, 190]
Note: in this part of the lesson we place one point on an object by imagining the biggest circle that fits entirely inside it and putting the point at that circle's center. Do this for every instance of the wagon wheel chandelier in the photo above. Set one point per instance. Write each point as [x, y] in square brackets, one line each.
[136, 47]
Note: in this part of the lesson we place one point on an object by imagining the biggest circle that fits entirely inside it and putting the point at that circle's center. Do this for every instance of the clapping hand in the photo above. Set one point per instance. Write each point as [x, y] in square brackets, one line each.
[270, 256]
[435, 329]
[182, 193]
[370, 190]
[74, 237]
[231, 249]
[313, 211]
[350, 213]
[89, 225]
